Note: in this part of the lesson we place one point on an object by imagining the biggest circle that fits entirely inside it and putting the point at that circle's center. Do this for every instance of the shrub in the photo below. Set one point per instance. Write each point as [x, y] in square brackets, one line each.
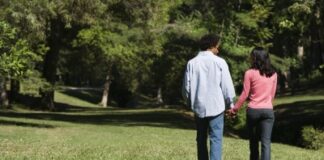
[239, 122]
[312, 138]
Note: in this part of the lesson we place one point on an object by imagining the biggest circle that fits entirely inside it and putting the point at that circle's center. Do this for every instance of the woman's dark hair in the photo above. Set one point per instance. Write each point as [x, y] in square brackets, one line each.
[208, 41]
[261, 61]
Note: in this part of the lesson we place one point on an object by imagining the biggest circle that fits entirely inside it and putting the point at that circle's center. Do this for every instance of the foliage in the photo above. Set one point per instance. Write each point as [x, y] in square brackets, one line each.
[144, 45]
[32, 82]
[237, 123]
[312, 138]
[17, 59]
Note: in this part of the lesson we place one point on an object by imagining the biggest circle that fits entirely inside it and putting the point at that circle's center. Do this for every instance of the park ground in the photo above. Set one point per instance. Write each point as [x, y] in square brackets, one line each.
[83, 131]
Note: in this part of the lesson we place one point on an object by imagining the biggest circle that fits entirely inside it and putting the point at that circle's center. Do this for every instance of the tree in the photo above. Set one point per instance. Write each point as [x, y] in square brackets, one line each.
[16, 59]
[129, 40]
[48, 23]
[111, 43]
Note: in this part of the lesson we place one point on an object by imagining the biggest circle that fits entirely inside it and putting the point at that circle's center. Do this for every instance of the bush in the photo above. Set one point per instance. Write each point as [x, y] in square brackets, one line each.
[33, 83]
[312, 138]
[239, 122]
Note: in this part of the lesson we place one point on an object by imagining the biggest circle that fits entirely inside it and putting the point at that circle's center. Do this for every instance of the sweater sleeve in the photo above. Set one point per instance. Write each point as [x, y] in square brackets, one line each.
[246, 90]
[274, 87]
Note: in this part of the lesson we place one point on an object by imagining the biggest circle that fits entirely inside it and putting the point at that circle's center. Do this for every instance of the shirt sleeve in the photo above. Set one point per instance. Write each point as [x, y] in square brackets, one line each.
[274, 88]
[186, 84]
[227, 86]
[245, 92]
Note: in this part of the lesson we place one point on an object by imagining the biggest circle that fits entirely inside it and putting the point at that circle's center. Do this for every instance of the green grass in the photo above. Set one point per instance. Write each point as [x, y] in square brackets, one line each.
[78, 98]
[89, 132]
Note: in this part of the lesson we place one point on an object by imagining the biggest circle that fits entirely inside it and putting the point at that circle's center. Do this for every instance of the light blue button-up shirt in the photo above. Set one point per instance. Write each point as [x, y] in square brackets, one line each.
[208, 85]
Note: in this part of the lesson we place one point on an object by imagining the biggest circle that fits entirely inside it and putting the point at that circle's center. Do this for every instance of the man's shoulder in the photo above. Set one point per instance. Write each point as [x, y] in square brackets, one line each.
[222, 62]
[192, 60]
[220, 59]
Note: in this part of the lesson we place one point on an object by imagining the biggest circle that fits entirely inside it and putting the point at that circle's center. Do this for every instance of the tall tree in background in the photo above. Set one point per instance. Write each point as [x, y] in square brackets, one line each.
[129, 39]
[135, 47]
[110, 43]
[49, 22]
[16, 59]
[297, 27]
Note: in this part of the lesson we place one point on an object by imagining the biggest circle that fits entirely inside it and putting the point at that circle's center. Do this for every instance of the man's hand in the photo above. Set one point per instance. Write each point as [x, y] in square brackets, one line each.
[231, 113]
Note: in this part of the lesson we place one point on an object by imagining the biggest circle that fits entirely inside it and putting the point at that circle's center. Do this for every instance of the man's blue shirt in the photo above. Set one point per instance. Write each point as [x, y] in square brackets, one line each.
[207, 85]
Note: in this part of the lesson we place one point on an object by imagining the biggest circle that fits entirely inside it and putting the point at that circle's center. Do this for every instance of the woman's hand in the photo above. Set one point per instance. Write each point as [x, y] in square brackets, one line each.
[231, 113]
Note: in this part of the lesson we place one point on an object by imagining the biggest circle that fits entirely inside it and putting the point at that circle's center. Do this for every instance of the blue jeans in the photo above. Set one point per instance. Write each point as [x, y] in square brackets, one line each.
[214, 126]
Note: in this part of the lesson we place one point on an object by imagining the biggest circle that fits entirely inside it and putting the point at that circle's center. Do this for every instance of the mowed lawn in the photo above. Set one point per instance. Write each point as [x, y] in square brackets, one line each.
[87, 132]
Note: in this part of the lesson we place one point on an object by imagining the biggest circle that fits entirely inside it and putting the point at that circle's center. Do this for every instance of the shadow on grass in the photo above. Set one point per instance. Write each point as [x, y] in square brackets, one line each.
[33, 103]
[62, 107]
[122, 117]
[24, 124]
[168, 118]
[91, 96]
[292, 117]
[94, 96]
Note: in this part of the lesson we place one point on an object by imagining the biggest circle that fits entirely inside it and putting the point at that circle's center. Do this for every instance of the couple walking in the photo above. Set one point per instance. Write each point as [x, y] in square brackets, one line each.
[208, 88]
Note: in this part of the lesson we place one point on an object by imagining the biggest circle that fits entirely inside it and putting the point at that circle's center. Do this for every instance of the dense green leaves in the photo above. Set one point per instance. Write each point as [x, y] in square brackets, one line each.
[16, 58]
[143, 46]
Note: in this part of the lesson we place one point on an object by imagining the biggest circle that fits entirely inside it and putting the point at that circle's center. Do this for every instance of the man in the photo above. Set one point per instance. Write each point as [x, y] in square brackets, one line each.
[208, 87]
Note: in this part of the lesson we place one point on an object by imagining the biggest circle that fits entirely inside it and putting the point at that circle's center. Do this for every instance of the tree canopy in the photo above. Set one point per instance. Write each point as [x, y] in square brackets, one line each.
[133, 47]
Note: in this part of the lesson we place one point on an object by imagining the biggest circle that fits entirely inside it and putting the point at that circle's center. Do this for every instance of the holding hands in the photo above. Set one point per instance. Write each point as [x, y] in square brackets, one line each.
[231, 113]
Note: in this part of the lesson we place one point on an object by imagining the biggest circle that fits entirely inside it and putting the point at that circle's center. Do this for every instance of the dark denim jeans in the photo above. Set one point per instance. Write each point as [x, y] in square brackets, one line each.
[214, 126]
[260, 123]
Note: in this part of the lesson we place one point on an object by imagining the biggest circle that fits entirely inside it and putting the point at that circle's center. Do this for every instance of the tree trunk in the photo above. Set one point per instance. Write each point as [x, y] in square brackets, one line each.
[237, 36]
[159, 96]
[300, 52]
[48, 100]
[318, 33]
[4, 99]
[286, 86]
[315, 38]
[294, 79]
[105, 95]
[51, 61]
[14, 90]
[222, 29]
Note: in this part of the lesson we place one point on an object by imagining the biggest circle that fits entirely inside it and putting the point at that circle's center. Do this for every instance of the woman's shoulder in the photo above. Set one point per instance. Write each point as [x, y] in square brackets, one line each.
[275, 75]
[251, 71]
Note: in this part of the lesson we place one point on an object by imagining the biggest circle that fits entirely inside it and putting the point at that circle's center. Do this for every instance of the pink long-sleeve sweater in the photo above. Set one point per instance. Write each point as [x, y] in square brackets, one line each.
[260, 90]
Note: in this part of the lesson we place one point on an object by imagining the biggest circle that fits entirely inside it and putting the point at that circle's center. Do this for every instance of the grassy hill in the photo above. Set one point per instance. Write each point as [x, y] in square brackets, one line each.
[85, 131]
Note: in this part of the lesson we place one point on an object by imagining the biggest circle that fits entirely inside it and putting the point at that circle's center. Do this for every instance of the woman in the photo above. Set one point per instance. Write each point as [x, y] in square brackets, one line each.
[259, 86]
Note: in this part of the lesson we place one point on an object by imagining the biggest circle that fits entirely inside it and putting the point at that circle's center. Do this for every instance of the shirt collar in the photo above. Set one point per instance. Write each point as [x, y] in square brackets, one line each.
[204, 53]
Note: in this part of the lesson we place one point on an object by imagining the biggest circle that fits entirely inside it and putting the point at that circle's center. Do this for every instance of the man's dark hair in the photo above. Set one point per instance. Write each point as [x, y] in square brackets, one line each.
[208, 41]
